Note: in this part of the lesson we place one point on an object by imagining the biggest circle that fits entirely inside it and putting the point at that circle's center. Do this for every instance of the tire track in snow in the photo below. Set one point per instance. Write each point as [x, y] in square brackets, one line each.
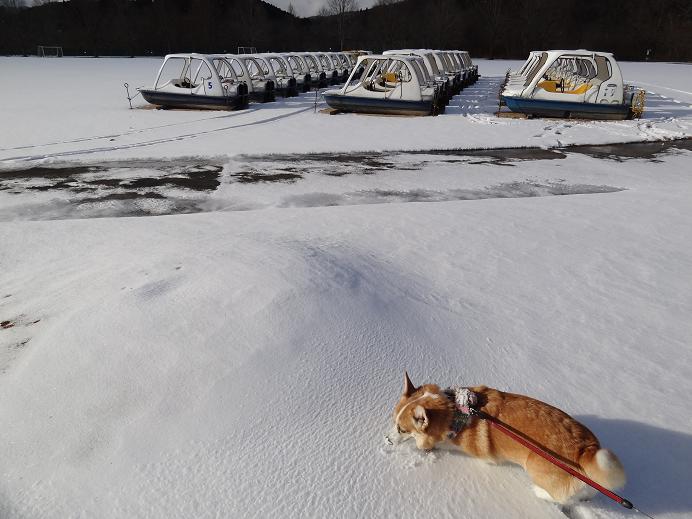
[28, 158]
[664, 88]
[140, 130]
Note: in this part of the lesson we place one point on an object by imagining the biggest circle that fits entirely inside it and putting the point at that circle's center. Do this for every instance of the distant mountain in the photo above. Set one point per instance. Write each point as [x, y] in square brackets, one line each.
[489, 28]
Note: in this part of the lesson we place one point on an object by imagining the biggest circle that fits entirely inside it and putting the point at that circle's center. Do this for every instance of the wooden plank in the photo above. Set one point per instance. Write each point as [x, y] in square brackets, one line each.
[511, 115]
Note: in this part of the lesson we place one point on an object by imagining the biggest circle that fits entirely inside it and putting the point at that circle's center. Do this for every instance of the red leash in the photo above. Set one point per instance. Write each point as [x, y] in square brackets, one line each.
[494, 422]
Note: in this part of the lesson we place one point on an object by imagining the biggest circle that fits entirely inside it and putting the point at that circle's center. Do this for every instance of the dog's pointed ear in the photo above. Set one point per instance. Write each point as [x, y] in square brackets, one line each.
[409, 388]
[421, 418]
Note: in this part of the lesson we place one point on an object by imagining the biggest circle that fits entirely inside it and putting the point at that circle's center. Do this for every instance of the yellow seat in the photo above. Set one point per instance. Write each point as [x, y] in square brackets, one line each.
[552, 86]
[549, 85]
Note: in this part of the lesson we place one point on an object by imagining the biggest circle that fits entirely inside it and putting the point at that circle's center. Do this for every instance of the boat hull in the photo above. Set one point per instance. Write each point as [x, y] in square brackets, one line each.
[565, 109]
[369, 105]
[193, 101]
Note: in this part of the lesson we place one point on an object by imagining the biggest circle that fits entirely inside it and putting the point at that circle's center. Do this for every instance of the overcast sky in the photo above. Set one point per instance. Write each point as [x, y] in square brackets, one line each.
[310, 7]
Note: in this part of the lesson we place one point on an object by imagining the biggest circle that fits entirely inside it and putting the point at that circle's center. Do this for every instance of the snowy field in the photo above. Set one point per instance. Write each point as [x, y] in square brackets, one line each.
[191, 326]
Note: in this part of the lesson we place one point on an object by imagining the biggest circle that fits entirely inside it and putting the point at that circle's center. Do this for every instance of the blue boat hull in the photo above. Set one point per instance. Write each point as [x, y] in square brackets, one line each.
[566, 109]
[175, 100]
[369, 105]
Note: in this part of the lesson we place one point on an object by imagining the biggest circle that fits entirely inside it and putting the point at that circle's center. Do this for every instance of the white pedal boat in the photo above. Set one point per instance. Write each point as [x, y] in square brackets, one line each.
[571, 83]
[390, 84]
[249, 69]
[197, 81]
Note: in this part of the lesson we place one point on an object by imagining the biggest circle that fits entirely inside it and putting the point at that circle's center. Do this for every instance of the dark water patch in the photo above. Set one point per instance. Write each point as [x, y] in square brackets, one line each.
[634, 150]
[71, 184]
[193, 177]
[500, 155]
[45, 172]
[104, 182]
[331, 164]
[256, 177]
[207, 180]
[497, 156]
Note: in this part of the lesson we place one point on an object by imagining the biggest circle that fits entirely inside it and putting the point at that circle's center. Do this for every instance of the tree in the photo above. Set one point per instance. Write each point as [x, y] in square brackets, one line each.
[340, 9]
[291, 10]
[491, 11]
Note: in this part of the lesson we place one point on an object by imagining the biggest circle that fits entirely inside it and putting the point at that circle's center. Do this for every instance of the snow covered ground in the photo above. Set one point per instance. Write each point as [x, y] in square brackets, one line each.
[243, 361]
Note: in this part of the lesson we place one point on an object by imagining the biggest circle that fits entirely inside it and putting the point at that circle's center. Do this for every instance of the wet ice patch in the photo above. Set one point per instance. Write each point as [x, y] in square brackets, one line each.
[519, 189]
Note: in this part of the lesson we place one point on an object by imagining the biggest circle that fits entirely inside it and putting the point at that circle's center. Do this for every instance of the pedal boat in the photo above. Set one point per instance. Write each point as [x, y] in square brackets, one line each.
[196, 81]
[389, 85]
[443, 81]
[576, 84]
[277, 69]
[251, 70]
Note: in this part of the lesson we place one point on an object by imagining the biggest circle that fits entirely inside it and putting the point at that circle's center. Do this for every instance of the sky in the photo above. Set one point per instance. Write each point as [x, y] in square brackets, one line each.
[310, 7]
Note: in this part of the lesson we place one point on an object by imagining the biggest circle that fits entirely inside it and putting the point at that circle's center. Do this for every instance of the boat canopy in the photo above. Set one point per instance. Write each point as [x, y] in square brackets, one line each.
[574, 75]
[192, 73]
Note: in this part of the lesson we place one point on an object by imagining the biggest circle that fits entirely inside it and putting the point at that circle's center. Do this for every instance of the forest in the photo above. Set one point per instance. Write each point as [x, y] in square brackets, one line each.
[636, 30]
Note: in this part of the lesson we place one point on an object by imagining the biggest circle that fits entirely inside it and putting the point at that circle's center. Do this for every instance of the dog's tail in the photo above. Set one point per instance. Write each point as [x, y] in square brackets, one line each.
[604, 467]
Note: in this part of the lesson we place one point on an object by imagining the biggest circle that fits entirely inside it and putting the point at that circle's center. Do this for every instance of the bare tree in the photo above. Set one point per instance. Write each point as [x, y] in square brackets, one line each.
[11, 4]
[341, 10]
[291, 10]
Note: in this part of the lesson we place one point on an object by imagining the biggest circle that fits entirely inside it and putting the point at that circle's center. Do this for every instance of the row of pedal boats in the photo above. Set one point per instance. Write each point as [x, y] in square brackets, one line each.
[231, 81]
[409, 82]
[551, 83]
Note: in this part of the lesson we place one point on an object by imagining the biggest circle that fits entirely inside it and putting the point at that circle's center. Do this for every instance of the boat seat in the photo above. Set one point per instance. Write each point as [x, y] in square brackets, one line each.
[184, 83]
[552, 86]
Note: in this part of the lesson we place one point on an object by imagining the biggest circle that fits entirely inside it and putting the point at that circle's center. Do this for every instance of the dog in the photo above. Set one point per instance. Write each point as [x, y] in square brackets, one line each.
[432, 415]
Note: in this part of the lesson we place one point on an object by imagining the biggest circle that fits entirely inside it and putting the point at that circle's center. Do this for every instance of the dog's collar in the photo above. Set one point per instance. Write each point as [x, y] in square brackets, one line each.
[463, 400]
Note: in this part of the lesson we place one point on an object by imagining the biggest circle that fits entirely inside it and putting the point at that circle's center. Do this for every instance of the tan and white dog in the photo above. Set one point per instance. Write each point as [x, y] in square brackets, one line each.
[431, 415]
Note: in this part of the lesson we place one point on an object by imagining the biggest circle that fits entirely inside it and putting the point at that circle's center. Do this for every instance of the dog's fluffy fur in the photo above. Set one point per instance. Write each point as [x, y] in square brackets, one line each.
[426, 413]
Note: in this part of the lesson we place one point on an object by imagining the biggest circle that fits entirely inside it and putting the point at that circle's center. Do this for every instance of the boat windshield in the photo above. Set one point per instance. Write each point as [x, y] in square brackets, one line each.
[254, 68]
[420, 71]
[224, 69]
[264, 65]
[433, 64]
[603, 68]
[238, 69]
[279, 66]
[400, 69]
[537, 66]
[297, 64]
[325, 62]
[183, 72]
[312, 64]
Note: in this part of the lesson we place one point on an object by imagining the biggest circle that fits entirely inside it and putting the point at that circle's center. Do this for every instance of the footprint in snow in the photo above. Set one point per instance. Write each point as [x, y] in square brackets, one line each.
[7, 324]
